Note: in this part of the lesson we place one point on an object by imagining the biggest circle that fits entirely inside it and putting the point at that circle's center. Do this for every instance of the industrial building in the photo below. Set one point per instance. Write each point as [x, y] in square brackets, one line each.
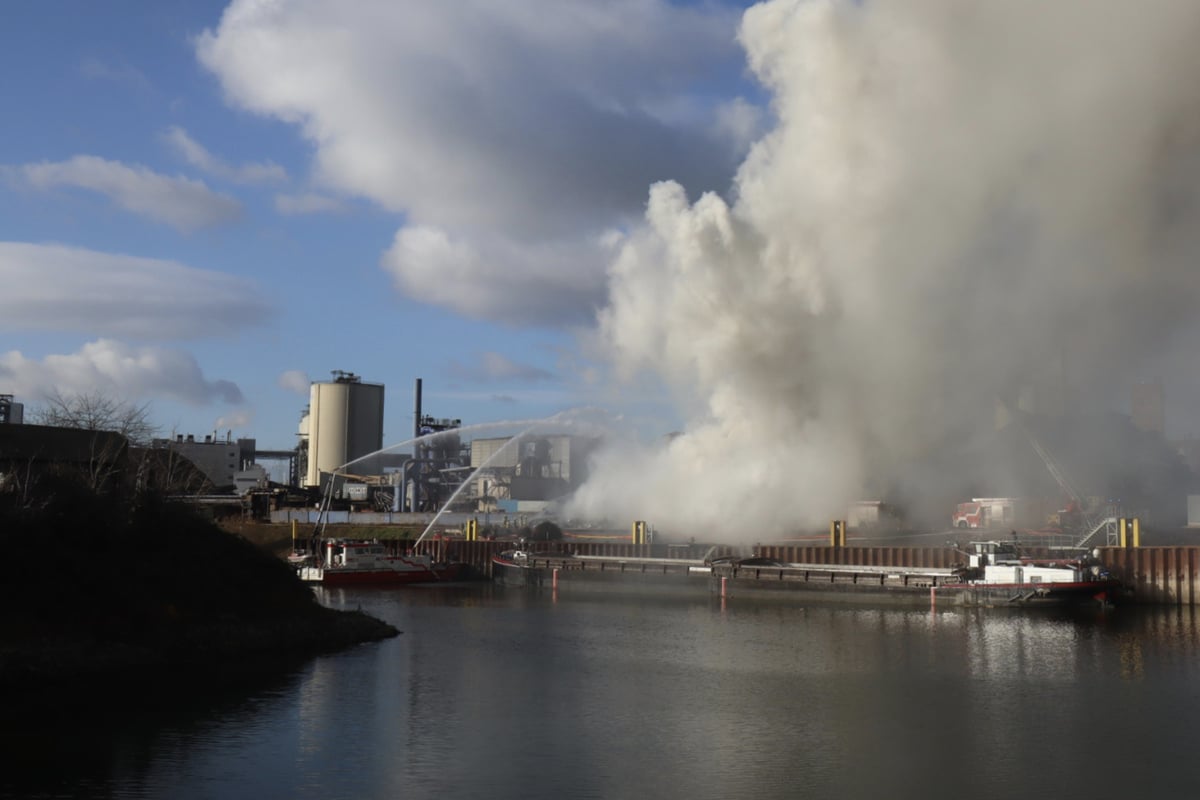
[527, 472]
[344, 422]
[228, 464]
[11, 412]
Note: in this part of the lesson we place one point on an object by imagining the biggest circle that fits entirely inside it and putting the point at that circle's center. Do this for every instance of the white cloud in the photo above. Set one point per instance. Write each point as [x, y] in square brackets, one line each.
[295, 380]
[181, 202]
[307, 203]
[51, 287]
[492, 366]
[526, 128]
[496, 278]
[116, 369]
[199, 157]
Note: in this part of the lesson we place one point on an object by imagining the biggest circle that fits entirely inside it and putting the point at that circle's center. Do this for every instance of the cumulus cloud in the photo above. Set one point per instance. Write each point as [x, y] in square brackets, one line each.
[53, 287]
[519, 128]
[958, 203]
[116, 369]
[198, 156]
[493, 277]
[491, 366]
[295, 380]
[183, 203]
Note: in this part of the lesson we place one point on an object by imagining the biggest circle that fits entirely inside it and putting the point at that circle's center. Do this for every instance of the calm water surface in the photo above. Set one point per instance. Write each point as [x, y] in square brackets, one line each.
[508, 693]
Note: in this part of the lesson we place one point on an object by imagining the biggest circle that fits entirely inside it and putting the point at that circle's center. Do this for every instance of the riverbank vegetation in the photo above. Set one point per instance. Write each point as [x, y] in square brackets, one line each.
[116, 582]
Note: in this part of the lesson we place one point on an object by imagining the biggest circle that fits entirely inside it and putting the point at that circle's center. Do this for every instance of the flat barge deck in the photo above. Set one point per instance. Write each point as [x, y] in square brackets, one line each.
[845, 582]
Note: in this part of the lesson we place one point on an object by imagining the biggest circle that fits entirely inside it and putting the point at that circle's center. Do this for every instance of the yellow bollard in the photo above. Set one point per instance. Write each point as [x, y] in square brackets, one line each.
[1130, 530]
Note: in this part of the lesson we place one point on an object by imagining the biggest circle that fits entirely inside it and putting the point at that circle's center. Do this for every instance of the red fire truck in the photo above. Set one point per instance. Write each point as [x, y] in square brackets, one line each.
[985, 512]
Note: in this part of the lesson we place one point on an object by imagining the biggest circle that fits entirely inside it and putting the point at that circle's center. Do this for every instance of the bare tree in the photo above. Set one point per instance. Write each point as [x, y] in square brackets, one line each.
[97, 412]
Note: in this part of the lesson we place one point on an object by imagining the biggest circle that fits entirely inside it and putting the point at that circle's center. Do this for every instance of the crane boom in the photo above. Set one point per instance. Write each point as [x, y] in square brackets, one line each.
[1091, 523]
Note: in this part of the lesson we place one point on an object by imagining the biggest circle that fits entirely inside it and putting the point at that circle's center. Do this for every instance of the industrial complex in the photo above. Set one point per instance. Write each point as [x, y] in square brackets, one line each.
[340, 461]
[1060, 471]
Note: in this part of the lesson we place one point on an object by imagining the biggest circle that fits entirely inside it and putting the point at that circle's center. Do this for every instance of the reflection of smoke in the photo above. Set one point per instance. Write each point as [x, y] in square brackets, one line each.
[956, 197]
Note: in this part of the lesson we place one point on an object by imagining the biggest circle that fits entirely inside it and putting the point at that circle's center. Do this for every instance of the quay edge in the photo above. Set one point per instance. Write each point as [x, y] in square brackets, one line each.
[1159, 575]
[1168, 575]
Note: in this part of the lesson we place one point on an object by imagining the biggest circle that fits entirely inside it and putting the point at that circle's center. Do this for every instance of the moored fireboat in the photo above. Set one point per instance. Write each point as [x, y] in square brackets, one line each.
[998, 575]
[347, 562]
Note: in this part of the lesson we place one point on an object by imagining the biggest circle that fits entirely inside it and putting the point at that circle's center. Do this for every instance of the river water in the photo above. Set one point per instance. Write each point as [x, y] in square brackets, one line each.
[495, 692]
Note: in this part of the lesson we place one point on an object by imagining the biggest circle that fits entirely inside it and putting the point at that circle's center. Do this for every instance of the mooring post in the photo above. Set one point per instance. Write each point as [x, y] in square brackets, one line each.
[933, 596]
[723, 582]
[554, 579]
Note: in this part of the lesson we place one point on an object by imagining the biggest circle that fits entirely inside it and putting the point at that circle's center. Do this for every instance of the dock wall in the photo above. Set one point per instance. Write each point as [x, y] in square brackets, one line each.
[914, 557]
[1157, 575]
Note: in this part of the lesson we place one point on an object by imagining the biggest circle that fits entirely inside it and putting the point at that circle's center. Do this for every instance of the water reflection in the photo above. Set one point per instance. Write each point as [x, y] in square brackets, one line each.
[493, 693]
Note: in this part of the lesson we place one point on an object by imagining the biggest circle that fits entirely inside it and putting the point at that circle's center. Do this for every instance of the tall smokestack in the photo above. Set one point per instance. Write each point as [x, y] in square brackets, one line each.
[417, 409]
[416, 470]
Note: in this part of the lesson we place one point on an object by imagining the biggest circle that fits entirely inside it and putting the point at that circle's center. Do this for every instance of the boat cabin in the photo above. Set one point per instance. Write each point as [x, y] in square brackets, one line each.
[340, 553]
[983, 554]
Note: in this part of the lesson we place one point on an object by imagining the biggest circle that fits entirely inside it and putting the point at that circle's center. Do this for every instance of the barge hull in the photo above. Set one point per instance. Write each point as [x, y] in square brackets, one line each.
[836, 583]
[385, 577]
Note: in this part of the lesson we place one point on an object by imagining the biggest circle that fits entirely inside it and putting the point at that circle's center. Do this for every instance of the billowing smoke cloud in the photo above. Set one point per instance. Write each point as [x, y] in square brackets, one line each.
[958, 201]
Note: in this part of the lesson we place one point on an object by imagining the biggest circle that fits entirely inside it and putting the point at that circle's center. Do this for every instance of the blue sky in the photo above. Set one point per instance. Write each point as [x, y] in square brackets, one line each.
[205, 205]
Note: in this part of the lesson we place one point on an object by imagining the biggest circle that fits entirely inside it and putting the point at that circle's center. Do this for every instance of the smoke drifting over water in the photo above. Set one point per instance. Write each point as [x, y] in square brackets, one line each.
[958, 200]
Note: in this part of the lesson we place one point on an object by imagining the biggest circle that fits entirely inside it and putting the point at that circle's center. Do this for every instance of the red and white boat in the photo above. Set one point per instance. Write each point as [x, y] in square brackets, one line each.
[347, 563]
[997, 575]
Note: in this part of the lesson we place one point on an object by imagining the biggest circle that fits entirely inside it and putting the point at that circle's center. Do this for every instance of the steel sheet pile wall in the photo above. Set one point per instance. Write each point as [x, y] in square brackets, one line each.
[602, 549]
[913, 557]
[1163, 575]
[480, 553]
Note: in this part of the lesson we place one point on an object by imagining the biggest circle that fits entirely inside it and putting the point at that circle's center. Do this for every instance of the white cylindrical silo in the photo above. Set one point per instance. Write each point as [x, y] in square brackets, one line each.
[345, 422]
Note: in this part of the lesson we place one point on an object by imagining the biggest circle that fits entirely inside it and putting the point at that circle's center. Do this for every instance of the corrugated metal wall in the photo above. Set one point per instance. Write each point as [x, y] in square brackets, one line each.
[1159, 575]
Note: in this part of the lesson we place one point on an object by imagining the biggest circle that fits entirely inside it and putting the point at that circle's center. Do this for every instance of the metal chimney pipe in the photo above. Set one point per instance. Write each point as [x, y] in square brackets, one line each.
[416, 471]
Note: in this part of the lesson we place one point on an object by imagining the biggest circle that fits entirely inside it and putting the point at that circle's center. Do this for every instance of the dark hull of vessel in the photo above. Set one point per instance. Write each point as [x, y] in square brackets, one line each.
[1102, 592]
[335, 576]
[1059, 595]
[850, 585]
[510, 573]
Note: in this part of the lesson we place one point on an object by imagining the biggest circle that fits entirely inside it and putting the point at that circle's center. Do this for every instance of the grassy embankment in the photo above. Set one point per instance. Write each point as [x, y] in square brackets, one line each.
[113, 587]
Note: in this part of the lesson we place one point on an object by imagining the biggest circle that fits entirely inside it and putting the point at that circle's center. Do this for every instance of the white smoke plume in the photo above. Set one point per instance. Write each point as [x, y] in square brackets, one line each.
[957, 199]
